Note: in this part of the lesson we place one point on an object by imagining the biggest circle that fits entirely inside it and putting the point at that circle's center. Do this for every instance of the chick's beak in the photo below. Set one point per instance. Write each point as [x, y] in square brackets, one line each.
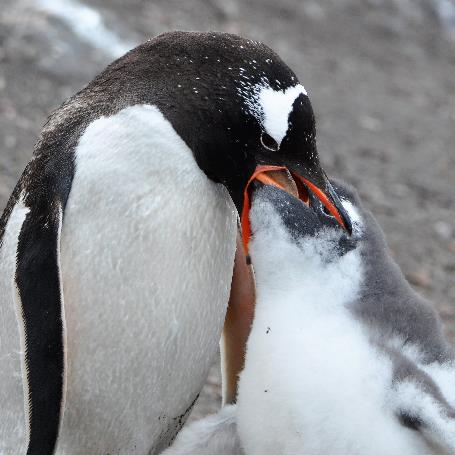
[241, 306]
[298, 185]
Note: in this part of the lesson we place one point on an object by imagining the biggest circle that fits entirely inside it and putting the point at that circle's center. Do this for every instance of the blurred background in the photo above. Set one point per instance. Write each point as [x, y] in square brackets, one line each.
[380, 74]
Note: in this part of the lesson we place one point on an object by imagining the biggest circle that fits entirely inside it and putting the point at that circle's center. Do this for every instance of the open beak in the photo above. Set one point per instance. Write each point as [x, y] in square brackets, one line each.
[240, 313]
[298, 185]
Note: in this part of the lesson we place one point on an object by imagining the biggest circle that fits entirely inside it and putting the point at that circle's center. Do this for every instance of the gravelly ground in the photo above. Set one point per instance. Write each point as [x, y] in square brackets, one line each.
[380, 74]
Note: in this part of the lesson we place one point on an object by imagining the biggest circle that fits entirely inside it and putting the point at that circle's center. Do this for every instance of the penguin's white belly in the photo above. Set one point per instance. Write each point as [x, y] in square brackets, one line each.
[147, 253]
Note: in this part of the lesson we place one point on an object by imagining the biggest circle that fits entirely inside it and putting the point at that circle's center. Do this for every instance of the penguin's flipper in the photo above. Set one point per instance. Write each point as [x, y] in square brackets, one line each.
[215, 434]
[40, 310]
[237, 325]
[420, 406]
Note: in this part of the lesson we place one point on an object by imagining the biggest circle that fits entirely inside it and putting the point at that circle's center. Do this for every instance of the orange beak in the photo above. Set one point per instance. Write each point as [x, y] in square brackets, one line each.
[262, 173]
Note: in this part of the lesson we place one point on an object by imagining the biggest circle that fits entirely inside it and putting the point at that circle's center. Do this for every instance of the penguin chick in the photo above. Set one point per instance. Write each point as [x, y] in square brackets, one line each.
[343, 356]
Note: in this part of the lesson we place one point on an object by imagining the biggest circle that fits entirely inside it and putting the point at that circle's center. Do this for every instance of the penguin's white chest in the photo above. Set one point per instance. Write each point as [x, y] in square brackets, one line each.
[147, 253]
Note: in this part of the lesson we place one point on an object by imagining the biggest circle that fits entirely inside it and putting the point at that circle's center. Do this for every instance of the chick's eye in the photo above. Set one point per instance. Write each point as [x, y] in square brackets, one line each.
[268, 142]
[327, 211]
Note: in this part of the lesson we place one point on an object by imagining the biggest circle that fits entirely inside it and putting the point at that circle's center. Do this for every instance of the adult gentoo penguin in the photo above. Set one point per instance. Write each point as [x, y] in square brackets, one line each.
[118, 243]
[343, 358]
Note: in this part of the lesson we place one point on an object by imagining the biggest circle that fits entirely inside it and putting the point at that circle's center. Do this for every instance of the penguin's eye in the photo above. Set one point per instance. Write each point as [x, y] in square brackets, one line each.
[268, 142]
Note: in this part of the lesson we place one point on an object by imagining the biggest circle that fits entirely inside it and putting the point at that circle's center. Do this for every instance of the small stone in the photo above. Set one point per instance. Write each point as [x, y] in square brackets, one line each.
[451, 293]
[420, 278]
[400, 190]
[443, 229]
[370, 123]
[313, 10]
[450, 266]
[10, 141]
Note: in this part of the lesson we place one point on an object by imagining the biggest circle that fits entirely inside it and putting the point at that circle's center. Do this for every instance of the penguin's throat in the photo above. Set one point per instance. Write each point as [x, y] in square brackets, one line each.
[277, 176]
[294, 184]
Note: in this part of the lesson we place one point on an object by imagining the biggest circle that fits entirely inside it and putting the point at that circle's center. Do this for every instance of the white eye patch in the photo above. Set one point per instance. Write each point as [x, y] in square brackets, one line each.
[276, 107]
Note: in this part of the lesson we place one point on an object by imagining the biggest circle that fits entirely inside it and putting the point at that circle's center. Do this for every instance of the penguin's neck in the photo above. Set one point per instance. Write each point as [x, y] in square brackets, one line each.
[298, 284]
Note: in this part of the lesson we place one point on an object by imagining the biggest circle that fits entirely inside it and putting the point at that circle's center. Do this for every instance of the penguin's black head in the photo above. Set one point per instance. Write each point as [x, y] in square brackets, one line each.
[236, 104]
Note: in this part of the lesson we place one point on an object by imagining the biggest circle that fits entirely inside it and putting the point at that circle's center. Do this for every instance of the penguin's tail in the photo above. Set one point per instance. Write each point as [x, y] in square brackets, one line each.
[421, 406]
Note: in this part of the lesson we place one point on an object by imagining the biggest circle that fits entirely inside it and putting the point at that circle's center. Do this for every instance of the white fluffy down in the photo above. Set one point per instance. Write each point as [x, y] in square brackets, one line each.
[216, 434]
[439, 429]
[313, 384]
